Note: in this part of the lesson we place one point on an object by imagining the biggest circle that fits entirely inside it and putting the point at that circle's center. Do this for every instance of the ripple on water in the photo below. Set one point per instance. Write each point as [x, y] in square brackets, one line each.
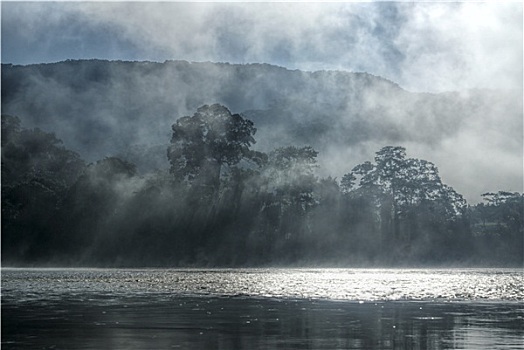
[331, 284]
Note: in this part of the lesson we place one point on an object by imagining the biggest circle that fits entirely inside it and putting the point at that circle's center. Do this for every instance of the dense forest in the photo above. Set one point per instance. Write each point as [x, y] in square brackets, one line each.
[220, 202]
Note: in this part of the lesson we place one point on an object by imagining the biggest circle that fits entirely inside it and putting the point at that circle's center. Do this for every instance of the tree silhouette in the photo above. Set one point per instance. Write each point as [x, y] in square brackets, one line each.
[202, 144]
[412, 204]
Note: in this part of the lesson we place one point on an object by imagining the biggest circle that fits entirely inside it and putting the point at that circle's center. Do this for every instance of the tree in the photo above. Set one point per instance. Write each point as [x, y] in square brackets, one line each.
[95, 208]
[10, 128]
[499, 226]
[328, 241]
[206, 154]
[347, 182]
[290, 172]
[37, 171]
[410, 199]
[27, 154]
[202, 144]
[289, 181]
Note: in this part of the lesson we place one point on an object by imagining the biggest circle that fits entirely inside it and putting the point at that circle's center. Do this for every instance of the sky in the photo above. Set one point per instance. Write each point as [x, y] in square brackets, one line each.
[422, 46]
[428, 47]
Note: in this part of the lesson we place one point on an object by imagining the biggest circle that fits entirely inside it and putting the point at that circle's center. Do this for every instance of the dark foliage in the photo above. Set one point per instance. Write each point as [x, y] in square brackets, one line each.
[498, 227]
[224, 204]
[37, 172]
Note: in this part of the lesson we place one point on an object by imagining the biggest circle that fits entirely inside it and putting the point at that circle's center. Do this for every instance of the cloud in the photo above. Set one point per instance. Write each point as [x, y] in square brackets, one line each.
[454, 46]
[39, 32]
[421, 46]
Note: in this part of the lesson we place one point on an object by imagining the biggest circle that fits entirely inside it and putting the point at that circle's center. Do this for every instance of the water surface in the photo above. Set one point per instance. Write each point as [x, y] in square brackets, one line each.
[262, 309]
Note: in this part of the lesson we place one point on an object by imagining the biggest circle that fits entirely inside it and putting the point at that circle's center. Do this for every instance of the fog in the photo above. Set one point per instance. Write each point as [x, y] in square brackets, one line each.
[423, 47]
[440, 80]
[426, 47]
[104, 109]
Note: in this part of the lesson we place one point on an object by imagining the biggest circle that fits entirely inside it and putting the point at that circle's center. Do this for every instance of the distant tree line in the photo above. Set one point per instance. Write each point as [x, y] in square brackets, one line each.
[224, 204]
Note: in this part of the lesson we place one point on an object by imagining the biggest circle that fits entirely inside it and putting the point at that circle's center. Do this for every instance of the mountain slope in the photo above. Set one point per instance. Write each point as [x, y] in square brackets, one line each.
[101, 108]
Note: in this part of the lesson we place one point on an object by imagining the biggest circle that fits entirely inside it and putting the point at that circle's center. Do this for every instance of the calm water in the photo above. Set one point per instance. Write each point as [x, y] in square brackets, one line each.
[262, 309]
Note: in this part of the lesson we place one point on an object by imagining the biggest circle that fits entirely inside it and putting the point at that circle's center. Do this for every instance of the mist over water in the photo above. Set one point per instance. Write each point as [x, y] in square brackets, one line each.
[212, 146]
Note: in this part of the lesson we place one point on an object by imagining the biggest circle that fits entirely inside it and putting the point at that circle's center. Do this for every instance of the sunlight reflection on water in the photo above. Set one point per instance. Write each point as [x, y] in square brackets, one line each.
[332, 284]
[262, 308]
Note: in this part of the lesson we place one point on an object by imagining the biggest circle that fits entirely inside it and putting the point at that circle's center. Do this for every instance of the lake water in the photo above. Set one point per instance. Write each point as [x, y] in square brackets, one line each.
[262, 309]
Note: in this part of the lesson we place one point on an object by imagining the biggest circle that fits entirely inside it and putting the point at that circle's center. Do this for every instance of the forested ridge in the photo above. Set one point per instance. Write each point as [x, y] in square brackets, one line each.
[220, 202]
[126, 109]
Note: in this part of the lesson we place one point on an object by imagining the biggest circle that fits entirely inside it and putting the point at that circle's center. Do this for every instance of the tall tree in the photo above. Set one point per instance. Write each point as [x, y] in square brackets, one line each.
[203, 143]
[409, 196]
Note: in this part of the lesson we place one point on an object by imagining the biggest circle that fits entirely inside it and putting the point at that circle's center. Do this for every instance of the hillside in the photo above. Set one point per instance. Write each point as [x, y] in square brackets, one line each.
[103, 108]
